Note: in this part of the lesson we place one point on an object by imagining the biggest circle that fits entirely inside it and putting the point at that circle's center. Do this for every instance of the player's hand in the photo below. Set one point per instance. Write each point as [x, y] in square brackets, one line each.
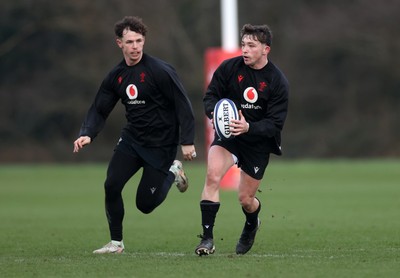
[239, 126]
[188, 152]
[81, 142]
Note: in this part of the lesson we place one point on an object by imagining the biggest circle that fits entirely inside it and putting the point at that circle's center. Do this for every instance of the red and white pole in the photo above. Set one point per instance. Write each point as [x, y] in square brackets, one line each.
[213, 58]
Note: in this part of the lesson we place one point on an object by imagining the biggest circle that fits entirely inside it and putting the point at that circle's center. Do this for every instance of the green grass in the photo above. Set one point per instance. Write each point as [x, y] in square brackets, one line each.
[319, 219]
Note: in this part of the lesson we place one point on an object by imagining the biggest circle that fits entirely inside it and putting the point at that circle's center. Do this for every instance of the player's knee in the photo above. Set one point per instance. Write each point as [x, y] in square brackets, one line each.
[112, 189]
[213, 179]
[144, 208]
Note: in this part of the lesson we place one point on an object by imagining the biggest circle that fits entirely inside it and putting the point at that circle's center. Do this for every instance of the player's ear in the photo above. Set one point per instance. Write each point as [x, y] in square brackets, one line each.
[267, 49]
[119, 42]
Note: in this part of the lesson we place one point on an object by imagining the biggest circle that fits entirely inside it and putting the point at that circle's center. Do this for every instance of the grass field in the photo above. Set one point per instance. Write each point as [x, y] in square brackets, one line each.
[319, 219]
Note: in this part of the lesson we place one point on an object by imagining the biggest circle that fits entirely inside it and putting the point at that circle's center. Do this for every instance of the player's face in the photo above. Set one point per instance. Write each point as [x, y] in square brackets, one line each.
[254, 52]
[131, 45]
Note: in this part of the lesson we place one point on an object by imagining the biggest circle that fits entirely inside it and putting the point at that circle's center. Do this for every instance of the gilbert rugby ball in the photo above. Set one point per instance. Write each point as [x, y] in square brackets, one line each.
[224, 111]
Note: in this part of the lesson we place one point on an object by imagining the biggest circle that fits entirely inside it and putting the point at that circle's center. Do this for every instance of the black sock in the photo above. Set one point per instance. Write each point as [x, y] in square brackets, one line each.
[209, 211]
[252, 218]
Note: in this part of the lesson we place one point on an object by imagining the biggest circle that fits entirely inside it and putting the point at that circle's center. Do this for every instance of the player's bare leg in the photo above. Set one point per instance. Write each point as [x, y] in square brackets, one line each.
[219, 162]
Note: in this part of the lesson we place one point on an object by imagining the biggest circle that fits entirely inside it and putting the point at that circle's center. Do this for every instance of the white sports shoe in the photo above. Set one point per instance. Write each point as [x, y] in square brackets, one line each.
[182, 182]
[111, 247]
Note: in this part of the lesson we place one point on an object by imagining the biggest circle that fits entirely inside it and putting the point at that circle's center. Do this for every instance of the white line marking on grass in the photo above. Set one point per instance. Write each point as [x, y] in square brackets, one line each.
[306, 254]
[173, 254]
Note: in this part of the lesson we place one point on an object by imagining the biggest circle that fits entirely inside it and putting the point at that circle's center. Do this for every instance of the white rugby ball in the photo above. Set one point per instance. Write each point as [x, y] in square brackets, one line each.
[224, 111]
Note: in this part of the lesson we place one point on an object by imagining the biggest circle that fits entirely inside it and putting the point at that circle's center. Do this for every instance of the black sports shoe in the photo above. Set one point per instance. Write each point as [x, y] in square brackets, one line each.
[206, 246]
[247, 239]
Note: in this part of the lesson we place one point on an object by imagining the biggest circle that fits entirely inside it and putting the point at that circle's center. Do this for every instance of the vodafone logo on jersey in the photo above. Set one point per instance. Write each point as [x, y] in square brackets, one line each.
[132, 91]
[250, 95]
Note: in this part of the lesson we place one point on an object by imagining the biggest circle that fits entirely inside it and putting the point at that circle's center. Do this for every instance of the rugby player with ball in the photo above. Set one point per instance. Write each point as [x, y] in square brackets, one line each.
[259, 90]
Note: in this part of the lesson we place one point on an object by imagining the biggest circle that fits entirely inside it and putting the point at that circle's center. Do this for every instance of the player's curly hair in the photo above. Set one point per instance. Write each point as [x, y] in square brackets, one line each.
[132, 23]
[260, 32]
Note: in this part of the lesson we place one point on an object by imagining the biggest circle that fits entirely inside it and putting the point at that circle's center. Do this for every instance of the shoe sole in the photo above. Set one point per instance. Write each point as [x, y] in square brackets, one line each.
[183, 186]
[115, 252]
[202, 251]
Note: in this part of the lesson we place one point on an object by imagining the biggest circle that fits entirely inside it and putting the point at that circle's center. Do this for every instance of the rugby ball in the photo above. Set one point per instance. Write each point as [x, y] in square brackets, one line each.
[224, 111]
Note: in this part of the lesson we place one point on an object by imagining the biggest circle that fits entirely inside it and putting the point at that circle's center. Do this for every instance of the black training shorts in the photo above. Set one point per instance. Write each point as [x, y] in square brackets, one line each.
[250, 161]
[160, 158]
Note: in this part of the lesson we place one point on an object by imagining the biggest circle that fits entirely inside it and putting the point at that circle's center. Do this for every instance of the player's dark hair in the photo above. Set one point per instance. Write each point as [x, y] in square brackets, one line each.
[260, 32]
[132, 23]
